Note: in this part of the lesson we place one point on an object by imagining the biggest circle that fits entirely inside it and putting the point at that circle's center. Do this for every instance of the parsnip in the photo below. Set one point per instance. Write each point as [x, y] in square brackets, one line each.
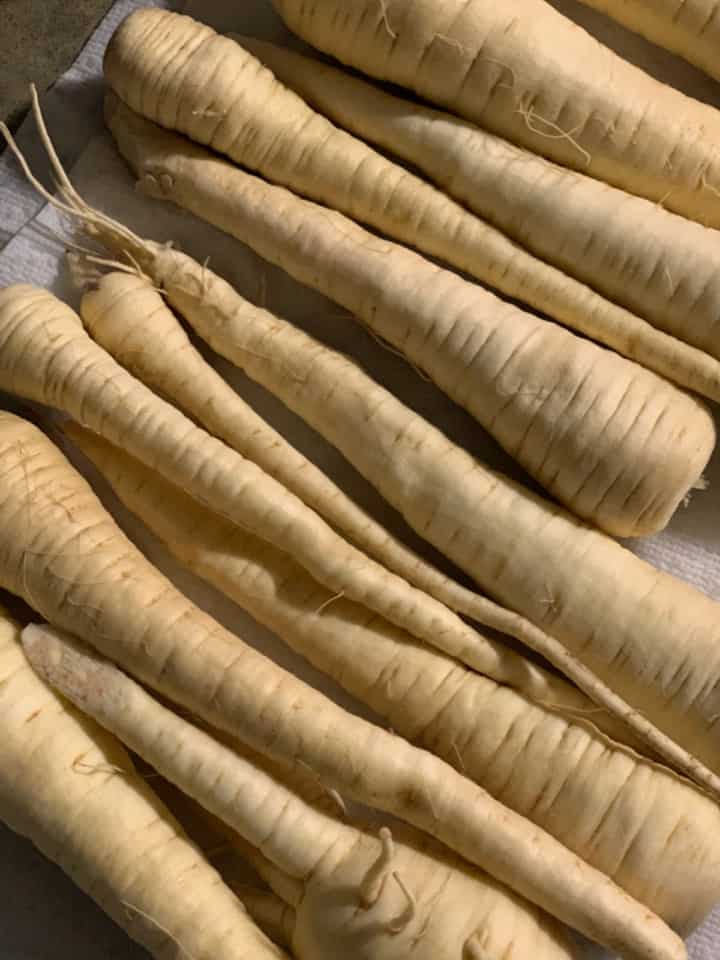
[529, 74]
[62, 552]
[659, 265]
[518, 375]
[593, 601]
[262, 125]
[126, 315]
[72, 790]
[633, 609]
[489, 356]
[690, 29]
[366, 898]
[652, 832]
[46, 356]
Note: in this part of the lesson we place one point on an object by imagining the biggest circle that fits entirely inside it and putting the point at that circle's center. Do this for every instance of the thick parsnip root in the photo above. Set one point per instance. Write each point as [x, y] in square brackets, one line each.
[46, 356]
[128, 317]
[63, 553]
[332, 861]
[72, 790]
[540, 760]
[528, 73]
[262, 125]
[657, 264]
[611, 440]
[414, 466]
[691, 30]
[229, 323]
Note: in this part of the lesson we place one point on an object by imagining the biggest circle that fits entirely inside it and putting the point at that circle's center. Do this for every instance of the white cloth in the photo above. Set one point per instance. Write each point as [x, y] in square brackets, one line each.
[690, 547]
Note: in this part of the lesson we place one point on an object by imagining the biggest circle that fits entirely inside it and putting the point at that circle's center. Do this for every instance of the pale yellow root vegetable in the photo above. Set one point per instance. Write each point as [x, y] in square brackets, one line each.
[62, 552]
[652, 832]
[690, 29]
[623, 637]
[367, 898]
[657, 264]
[611, 440]
[528, 73]
[72, 790]
[262, 125]
[126, 315]
[597, 605]
[46, 356]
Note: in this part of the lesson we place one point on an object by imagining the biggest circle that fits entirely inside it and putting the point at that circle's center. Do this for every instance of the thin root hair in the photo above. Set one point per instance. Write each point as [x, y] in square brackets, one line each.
[385, 19]
[323, 606]
[374, 880]
[553, 131]
[86, 769]
[132, 910]
[403, 920]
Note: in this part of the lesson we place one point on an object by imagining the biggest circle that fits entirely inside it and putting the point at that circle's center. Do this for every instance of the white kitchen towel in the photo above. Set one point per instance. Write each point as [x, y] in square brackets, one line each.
[690, 547]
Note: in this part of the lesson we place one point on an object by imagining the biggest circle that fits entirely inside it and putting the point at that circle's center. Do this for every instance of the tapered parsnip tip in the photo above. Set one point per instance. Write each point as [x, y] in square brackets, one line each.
[68, 666]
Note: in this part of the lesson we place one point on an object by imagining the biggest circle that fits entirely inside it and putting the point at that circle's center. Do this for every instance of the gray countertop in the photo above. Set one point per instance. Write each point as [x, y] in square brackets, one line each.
[39, 40]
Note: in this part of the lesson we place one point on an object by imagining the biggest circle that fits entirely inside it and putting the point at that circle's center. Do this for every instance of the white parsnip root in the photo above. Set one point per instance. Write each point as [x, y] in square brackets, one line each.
[181, 82]
[528, 73]
[46, 356]
[341, 402]
[543, 760]
[72, 790]
[437, 487]
[126, 315]
[62, 552]
[431, 905]
[630, 444]
[659, 265]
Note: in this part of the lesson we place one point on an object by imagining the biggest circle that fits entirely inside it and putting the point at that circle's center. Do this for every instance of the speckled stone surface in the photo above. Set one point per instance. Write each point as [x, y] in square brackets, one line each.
[39, 39]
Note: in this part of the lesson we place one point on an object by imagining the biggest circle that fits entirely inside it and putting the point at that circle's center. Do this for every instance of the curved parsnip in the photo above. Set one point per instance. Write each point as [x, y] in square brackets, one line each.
[72, 790]
[630, 445]
[370, 898]
[46, 356]
[657, 264]
[515, 372]
[589, 596]
[126, 315]
[541, 760]
[529, 74]
[62, 552]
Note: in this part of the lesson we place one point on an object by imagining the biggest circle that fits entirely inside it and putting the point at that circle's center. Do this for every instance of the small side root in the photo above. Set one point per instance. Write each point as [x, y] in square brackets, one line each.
[374, 880]
[132, 911]
[403, 920]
